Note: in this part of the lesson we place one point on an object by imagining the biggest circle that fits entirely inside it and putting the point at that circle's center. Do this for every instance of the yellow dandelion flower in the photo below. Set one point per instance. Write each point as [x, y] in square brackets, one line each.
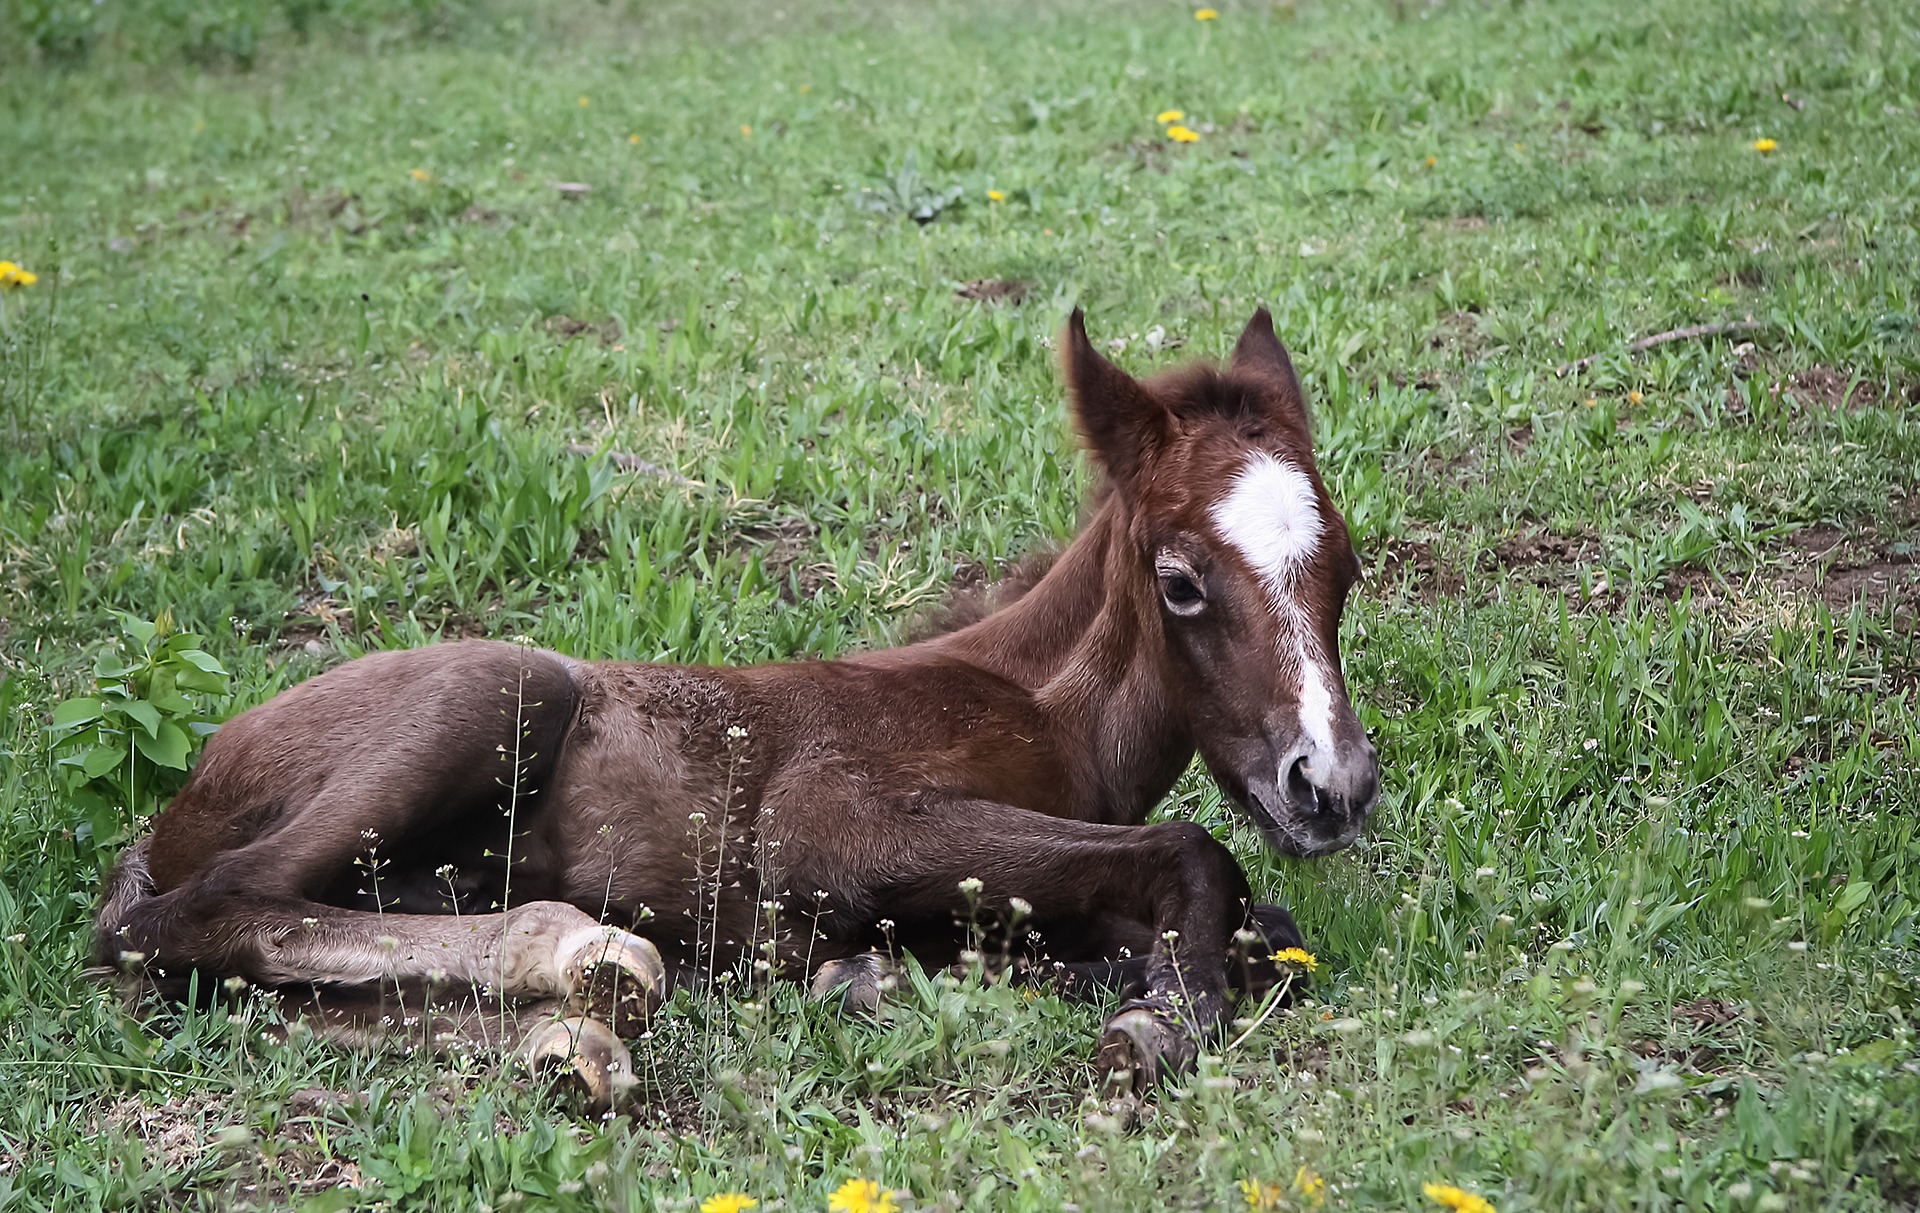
[861, 1196]
[13, 277]
[1458, 1199]
[421, 174]
[1296, 956]
[1310, 1187]
[1763, 146]
[1262, 1196]
[634, 139]
[584, 103]
[806, 88]
[1205, 14]
[728, 1202]
[1166, 116]
[746, 132]
[1634, 397]
[1180, 134]
[1432, 160]
[996, 196]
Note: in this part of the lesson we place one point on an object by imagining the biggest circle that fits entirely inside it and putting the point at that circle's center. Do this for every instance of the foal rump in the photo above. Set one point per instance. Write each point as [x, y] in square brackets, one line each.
[409, 783]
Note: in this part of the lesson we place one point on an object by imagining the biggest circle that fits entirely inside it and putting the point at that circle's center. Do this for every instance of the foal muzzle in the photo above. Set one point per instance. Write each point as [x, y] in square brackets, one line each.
[1315, 801]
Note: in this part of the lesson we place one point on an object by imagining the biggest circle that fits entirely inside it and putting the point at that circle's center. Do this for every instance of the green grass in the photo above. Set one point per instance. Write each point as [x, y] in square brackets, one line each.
[1636, 925]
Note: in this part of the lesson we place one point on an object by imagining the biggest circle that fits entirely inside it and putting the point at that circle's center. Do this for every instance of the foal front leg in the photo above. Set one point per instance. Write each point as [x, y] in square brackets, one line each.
[1174, 879]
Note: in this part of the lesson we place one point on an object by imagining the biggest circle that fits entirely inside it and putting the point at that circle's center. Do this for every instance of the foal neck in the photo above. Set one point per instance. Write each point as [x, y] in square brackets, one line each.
[1086, 643]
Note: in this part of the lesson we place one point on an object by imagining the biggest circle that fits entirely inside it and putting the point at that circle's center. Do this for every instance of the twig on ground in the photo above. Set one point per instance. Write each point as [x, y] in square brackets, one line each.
[630, 463]
[1694, 333]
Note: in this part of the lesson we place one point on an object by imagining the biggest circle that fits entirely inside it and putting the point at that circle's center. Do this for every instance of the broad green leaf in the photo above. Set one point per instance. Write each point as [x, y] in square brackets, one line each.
[75, 712]
[139, 629]
[111, 667]
[203, 660]
[191, 679]
[145, 713]
[109, 826]
[167, 748]
[102, 759]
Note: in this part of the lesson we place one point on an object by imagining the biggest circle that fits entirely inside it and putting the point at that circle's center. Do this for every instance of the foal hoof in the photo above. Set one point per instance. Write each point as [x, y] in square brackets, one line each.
[612, 976]
[1140, 1050]
[1277, 926]
[860, 982]
[590, 1051]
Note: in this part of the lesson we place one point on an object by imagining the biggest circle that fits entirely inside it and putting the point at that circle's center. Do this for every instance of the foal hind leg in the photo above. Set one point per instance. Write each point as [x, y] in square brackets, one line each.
[543, 949]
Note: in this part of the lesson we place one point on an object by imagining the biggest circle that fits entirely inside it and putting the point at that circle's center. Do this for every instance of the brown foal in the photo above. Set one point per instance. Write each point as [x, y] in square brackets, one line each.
[562, 835]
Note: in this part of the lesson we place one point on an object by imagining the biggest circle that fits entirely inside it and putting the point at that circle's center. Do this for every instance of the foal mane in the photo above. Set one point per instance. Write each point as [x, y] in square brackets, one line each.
[968, 602]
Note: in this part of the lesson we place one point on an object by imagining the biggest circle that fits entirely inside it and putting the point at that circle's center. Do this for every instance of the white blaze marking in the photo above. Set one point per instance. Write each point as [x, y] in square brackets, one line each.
[1272, 517]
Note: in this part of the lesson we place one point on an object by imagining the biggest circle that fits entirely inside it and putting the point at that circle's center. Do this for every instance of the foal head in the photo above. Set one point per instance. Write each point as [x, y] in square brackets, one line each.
[1248, 565]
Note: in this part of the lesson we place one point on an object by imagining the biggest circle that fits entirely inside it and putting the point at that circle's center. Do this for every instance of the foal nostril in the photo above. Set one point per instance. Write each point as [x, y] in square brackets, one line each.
[1301, 790]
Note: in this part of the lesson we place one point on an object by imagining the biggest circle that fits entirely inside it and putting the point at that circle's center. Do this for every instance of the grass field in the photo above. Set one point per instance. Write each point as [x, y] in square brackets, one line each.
[315, 327]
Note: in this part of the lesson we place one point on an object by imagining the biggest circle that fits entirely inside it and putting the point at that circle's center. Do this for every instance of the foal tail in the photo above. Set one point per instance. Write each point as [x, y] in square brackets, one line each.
[130, 884]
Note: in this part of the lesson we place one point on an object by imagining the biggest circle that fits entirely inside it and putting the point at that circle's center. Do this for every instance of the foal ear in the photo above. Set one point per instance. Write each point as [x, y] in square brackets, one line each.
[1122, 423]
[1261, 353]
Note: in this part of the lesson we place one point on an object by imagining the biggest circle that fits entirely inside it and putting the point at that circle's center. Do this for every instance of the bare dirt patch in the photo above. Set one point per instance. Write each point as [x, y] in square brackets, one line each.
[1709, 1012]
[1411, 563]
[1459, 331]
[1545, 558]
[1832, 390]
[567, 328]
[995, 290]
[1841, 566]
[781, 545]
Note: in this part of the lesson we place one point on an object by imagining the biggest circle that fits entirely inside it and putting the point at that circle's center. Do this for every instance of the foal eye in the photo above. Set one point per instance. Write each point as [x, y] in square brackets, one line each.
[1183, 597]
